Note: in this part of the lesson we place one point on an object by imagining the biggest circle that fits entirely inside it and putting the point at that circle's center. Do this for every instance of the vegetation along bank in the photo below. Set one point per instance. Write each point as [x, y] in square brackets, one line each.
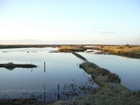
[110, 93]
[132, 51]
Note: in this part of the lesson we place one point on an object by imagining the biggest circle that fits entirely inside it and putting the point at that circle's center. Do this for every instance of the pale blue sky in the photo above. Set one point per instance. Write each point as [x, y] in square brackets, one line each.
[70, 21]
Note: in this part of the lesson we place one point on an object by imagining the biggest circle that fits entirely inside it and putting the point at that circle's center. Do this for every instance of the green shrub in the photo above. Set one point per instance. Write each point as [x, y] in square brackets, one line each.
[113, 78]
[10, 66]
[103, 71]
[137, 93]
[100, 72]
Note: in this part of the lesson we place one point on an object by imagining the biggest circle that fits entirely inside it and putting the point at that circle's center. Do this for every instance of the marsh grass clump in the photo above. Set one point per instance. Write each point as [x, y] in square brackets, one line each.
[137, 93]
[101, 80]
[11, 66]
[103, 72]
[120, 47]
[109, 94]
[102, 46]
[87, 64]
[123, 50]
[113, 78]
[100, 75]
[71, 48]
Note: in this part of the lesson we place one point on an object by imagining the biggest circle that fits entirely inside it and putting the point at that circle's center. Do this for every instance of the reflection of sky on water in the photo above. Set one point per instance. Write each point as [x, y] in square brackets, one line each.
[127, 68]
[61, 68]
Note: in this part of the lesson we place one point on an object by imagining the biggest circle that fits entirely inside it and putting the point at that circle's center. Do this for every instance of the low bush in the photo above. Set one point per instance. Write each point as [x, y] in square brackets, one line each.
[103, 71]
[100, 72]
[10, 66]
[113, 78]
[137, 93]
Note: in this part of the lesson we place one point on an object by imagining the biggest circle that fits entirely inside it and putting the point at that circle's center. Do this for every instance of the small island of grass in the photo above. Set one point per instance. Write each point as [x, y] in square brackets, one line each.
[11, 65]
[71, 48]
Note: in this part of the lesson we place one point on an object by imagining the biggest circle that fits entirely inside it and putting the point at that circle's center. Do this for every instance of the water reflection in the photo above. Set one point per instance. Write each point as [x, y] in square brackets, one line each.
[62, 92]
[127, 68]
[53, 69]
[40, 84]
[10, 68]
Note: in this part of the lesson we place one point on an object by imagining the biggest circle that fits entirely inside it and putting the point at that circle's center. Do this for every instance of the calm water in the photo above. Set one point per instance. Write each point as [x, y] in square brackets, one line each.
[127, 68]
[59, 68]
[42, 82]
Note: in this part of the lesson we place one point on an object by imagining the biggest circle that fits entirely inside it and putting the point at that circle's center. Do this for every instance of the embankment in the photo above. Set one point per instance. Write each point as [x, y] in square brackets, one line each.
[110, 93]
[100, 75]
[79, 56]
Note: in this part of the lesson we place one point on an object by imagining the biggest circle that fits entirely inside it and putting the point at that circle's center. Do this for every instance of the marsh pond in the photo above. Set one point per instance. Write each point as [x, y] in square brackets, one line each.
[57, 75]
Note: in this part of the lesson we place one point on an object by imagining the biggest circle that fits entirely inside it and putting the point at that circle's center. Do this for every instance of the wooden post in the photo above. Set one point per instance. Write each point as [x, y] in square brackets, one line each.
[58, 93]
[44, 67]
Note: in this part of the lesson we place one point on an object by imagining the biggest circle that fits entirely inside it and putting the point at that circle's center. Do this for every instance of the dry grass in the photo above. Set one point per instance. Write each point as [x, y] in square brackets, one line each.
[70, 48]
[125, 50]
[122, 49]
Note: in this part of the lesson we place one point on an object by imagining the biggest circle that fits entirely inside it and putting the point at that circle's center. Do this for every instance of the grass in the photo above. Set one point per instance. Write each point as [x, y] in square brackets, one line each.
[113, 78]
[109, 94]
[101, 71]
[137, 93]
[71, 48]
[126, 50]
[100, 75]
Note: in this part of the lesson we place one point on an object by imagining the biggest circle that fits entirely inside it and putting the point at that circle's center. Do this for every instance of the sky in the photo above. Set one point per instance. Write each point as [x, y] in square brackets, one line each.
[70, 22]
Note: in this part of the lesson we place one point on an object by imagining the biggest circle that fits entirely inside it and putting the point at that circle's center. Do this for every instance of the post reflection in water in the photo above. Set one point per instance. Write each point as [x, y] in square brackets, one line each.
[44, 67]
[58, 93]
[44, 93]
